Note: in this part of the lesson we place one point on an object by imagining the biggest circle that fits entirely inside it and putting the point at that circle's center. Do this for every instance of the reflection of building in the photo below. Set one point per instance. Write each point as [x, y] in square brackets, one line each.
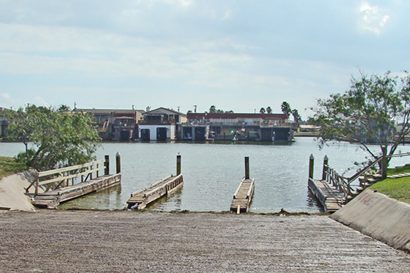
[160, 124]
[237, 126]
[116, 124]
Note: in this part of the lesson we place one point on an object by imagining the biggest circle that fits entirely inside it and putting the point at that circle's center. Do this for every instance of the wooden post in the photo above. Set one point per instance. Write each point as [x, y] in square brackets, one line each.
[325, 167]
[178, 164]
[311, 166]
[118, 162]
[36, 188]
[107, 165]
[247, 167]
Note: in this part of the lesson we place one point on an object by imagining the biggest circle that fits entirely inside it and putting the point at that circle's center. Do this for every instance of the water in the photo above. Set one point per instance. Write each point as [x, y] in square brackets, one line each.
[212, 173]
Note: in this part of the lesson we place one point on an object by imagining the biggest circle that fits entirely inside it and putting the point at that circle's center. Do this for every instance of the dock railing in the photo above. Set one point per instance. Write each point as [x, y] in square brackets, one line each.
[344, 184]
[61, 177]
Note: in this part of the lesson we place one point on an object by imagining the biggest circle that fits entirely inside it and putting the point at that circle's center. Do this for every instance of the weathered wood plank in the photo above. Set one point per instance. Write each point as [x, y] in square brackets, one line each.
[139, 200]
[52, 199]
[243, 195]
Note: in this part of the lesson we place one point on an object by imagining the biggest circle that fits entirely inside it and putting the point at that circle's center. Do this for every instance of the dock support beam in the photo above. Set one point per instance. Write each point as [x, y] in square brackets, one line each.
[118, 162]
[106, 165]
[311, 166]
[325, 167]
[178, 165]
[247, 175]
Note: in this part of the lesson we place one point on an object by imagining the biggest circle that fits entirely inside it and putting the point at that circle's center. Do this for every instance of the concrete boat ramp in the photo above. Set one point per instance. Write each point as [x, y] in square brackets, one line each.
[121, 241]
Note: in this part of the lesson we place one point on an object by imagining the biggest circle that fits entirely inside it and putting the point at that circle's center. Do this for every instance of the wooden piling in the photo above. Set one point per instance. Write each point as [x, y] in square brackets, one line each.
[325, 167]
[118, 162]
[106, 165]
[178, 164]
[247, 167]
[311, 166]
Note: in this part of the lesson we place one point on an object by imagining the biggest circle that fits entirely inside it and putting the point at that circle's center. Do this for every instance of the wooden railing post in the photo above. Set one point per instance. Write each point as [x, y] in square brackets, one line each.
[311, 166]
[247, 175]
[325, 167]
[106, 165]
[36, 188]
[118, 162]
[178, 164]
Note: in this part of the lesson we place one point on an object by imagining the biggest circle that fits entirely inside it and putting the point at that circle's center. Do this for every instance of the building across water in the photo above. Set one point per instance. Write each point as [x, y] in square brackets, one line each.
[237, 127]
[163, 124]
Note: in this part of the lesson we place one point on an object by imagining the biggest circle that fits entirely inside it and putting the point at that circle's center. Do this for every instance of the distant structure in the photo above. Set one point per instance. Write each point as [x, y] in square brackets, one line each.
[237, 127]
[3, 124]
[161, 124]
[116, 124]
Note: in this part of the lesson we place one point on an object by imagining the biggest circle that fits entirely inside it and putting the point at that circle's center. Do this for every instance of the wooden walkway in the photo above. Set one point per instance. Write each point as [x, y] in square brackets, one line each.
[140, 200]
[329, 197]
[243, 195]
[51, 199]
[63, 184]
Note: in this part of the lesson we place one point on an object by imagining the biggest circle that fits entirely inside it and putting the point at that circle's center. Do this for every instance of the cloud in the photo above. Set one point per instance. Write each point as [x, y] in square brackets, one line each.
[372, 18]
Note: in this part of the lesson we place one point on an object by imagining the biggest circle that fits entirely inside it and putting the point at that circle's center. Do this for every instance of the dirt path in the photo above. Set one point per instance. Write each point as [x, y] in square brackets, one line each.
[84, 241]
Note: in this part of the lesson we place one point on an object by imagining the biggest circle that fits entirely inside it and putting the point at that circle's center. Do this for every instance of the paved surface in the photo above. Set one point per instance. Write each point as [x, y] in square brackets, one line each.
[84, 241]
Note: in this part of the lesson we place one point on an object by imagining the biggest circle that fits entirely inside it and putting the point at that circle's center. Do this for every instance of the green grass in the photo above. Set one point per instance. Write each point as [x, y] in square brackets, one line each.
[8, 166]
[397, 188]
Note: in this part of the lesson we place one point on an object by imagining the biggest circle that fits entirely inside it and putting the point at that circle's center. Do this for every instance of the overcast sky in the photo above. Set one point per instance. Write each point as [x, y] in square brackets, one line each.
[237, 55]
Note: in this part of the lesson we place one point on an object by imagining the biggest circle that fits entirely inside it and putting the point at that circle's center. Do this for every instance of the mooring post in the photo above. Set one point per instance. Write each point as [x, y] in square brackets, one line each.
[325, 167]
[247, 167]
[106, 165]
[178, 164]
[311, 166]
[118, 162]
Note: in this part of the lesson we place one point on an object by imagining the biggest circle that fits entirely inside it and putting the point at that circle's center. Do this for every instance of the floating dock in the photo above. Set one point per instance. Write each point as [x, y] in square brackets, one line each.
[167, 186]
[63, 184]
[329, 197]
[243, 195]
[51, 199]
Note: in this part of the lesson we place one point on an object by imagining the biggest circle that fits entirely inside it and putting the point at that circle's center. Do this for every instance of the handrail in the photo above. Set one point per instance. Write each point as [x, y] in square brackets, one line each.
[60, 175]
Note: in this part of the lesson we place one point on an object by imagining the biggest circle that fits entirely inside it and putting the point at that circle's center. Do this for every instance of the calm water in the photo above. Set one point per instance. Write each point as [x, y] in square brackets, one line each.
[212, 173]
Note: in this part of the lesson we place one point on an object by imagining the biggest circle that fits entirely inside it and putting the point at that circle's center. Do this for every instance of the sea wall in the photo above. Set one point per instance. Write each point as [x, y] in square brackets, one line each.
[378, 216]
[12, 189]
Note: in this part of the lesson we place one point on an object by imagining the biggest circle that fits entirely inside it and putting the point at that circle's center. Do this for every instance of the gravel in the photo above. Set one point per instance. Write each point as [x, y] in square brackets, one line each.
[122, 241]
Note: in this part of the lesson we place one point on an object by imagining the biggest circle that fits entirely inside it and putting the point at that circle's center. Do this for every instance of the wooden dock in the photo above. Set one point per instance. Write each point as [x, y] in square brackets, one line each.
[63, 184]
[242, 198]
[167, 186]
[329, 197]
[243, 195]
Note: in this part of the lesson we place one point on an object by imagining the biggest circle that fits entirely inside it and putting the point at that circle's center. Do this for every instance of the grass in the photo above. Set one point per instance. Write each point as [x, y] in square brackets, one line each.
[8, 166]
[397, 188]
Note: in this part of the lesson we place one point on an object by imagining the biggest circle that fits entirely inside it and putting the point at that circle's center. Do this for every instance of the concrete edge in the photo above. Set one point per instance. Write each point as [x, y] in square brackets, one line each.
[378, 216]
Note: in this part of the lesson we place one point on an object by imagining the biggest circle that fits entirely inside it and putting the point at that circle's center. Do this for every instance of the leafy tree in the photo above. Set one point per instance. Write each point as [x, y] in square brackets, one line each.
[56, 137]
[262, 110]
[269, 110]
[212, 109]
[285, 107]
[368, 113]
[296, 116]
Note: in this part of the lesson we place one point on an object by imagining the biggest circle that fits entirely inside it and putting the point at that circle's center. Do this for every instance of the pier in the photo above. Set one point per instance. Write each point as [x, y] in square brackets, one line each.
[334, 190]
[243, 195]
[165, 187]
[63, 184]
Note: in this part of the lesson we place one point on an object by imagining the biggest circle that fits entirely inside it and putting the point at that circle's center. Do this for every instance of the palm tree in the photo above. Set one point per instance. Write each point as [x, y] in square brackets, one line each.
[269, 110]
[262, 111]
[286, 108]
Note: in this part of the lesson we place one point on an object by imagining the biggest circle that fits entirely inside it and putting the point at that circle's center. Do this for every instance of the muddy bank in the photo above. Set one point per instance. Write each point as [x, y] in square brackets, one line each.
[87, 241]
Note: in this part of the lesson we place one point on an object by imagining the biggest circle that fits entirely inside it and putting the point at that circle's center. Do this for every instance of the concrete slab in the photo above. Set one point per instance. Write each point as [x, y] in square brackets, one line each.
[378, 216]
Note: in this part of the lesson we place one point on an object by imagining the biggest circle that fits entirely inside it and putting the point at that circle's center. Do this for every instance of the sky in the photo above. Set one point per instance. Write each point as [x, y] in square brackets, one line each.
[235, 54]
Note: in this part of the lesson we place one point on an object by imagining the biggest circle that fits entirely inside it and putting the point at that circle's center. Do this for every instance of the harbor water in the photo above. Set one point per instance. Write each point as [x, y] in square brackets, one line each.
[212, 173]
